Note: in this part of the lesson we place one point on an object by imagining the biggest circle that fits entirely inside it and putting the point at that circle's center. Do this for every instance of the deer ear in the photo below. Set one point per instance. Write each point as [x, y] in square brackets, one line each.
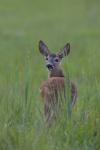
[43, 48]
[64, 51]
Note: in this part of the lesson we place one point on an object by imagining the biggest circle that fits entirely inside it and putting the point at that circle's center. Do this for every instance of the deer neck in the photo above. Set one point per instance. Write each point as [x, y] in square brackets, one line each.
[57, 72]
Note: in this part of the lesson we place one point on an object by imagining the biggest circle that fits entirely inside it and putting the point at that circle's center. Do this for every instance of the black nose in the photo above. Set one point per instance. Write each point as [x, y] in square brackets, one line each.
[49, 66]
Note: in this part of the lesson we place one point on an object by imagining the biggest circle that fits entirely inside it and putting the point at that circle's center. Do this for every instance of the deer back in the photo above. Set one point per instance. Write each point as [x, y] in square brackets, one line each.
[52, 85]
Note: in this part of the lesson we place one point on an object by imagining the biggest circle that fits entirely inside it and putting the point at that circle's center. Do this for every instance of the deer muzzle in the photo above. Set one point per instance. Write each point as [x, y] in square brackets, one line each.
[49, 66]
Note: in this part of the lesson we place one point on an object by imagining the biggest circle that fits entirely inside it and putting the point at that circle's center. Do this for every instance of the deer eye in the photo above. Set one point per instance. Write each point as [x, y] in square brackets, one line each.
[56, 60]
[46, 58]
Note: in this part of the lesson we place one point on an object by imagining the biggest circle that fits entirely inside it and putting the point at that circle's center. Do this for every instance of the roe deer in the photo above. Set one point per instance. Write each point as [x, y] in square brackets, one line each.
[55, 83]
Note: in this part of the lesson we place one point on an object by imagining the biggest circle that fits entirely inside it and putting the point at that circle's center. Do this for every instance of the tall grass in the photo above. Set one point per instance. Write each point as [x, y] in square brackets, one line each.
[22, 127]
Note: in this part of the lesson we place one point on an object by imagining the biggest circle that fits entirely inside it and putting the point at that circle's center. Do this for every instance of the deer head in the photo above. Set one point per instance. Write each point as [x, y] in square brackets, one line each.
[52, 59]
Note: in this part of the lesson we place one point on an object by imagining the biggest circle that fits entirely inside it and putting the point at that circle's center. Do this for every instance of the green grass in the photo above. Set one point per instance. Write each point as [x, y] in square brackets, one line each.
[22, 24]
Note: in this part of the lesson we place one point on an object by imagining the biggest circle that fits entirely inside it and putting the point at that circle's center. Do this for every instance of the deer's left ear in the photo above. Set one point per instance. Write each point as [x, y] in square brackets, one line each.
[64, 51]
[43, 48]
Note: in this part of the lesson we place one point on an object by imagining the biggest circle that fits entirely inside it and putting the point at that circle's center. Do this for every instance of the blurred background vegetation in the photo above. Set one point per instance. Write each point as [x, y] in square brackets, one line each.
[22, 24]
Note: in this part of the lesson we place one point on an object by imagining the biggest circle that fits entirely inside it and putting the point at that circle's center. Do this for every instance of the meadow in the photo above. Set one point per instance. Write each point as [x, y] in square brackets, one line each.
[22, 24]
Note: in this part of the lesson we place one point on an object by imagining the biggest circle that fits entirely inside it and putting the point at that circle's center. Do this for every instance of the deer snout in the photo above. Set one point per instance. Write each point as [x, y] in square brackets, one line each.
[49, 66]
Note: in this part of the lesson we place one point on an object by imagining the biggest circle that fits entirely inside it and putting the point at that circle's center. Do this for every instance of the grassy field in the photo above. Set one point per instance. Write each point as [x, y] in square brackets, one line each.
[22, 24]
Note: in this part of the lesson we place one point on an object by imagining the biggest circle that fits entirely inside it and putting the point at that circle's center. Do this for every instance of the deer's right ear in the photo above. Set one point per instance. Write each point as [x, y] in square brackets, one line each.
[43, 48]
[64, 51]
